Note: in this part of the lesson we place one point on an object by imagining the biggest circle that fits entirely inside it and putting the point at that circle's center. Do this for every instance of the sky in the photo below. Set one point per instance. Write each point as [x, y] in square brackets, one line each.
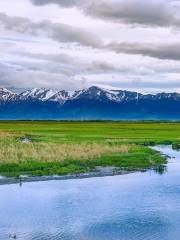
[74, 44]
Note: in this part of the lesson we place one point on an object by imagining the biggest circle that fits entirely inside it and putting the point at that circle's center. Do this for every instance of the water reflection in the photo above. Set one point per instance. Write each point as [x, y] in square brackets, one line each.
[160, 169]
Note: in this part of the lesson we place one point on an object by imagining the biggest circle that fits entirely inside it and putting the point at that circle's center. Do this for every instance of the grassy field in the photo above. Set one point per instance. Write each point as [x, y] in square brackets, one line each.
[77, 147]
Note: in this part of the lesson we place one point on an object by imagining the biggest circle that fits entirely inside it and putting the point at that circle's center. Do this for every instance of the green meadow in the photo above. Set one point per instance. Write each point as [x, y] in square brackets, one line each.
[77, 147]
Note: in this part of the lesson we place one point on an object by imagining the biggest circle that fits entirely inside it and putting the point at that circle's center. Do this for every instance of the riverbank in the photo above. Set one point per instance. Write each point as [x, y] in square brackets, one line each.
[101, 172]
[135, 158]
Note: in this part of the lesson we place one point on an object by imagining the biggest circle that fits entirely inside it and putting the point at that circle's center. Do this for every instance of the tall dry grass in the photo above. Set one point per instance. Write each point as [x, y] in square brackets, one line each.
[12, 151]
[6, 134]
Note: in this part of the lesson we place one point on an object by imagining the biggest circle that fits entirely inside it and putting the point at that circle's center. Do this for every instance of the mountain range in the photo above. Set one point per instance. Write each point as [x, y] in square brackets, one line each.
[93, 103]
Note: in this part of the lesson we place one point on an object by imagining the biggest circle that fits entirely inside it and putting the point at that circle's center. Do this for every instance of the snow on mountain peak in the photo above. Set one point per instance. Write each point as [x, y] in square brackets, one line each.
[6, 94]
[91, 93]
[62, 96]
[38, 93]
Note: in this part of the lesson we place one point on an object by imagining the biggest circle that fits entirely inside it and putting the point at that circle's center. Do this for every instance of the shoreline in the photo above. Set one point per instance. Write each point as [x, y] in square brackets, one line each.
[100, 172]
[28, 179]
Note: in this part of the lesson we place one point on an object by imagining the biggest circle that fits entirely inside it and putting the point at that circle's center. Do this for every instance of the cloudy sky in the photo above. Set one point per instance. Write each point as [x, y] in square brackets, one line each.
[73, 44]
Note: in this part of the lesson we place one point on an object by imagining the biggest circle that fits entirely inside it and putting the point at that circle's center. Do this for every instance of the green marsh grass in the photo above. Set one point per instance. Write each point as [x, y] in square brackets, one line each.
[76, 147]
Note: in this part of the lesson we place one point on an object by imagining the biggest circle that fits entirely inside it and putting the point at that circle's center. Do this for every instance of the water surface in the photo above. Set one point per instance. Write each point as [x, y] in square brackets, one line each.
[135, 206]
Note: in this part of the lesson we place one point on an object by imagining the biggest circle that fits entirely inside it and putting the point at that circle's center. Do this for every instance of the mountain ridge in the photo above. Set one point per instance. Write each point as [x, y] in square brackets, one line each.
[88, 104]
[46, 94]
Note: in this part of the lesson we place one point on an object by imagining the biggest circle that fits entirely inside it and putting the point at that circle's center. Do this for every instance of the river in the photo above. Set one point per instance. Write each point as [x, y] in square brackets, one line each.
[141, 205]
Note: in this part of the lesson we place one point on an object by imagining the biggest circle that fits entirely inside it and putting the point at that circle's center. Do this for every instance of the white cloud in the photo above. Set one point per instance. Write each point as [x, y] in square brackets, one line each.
[70, 44]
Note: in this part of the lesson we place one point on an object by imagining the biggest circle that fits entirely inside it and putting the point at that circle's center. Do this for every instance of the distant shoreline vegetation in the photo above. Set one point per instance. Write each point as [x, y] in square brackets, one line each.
[88, 121]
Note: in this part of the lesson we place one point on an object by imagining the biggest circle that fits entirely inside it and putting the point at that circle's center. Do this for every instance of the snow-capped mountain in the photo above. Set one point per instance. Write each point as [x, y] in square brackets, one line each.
[92, 93]
[43, 94]
[37, 93]
[63, 96]
[6, 95]
[90, 103]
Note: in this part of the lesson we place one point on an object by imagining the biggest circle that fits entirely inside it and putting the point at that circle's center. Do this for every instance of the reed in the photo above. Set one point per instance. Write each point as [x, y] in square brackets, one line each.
[12, 151]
